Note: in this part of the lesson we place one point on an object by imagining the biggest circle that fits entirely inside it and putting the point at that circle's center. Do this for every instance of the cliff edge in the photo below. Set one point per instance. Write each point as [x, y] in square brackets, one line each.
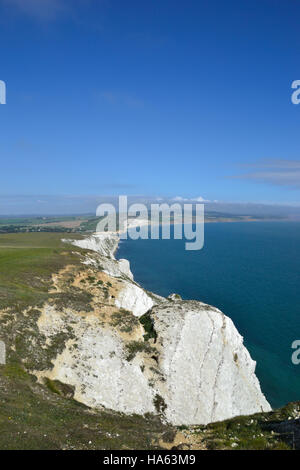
[136, 352]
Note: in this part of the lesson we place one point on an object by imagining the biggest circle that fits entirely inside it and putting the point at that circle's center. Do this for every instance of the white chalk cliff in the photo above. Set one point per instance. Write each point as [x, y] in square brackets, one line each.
[184, 360]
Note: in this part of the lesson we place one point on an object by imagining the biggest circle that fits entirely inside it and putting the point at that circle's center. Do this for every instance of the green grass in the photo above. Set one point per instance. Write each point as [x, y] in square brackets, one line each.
[248, 432]
[91, 224]
[148, 325]
[27, 262]
[125, 320]
[135, 347]
[35, 220]
[36, 417]
[87, 222]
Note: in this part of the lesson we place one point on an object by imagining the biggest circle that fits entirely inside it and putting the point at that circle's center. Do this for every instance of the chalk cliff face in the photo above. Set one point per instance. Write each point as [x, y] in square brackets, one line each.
[137, 352]
[94, 362]
[209, 374]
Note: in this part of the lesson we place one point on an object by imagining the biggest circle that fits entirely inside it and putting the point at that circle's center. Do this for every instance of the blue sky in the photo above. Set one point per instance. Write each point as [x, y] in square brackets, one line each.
[157, 98]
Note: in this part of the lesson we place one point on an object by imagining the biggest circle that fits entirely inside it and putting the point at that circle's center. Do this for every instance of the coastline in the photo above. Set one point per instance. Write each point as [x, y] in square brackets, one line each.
[184, 334]
[247, 271]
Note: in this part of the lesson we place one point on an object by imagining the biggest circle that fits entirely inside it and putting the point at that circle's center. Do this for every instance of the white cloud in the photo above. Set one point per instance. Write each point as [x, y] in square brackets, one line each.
[277, 172]
[178, 199]
[194, 199]
[201, 199]
[278, 163]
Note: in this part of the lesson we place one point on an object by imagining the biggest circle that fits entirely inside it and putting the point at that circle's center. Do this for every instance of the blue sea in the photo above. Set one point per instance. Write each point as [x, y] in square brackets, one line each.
[251, 271]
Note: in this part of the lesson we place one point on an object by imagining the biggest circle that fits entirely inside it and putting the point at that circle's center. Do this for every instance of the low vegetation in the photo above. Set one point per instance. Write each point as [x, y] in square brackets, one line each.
[148, 325]
[27, 263]
[124, 320]
[33, 416]
[277, 430]
[135, 347]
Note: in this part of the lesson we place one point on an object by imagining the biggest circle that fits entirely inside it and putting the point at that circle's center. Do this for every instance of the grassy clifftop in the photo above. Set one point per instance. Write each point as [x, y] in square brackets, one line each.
[27, 262]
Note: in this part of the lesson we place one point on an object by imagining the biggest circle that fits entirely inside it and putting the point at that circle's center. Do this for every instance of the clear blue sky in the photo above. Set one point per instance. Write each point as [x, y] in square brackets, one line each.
[165, 98]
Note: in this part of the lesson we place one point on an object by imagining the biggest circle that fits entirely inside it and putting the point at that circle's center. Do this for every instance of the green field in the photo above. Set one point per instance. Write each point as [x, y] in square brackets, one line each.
[27, 261]
[65, 224]
[34, 220]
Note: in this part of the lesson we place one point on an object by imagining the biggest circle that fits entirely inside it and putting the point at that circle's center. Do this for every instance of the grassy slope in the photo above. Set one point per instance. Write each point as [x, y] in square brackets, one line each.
[276, 430]
[33, 417]
[27, 261]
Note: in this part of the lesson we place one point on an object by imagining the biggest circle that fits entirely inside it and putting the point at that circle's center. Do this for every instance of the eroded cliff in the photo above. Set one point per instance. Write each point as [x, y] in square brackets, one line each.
[135, 352]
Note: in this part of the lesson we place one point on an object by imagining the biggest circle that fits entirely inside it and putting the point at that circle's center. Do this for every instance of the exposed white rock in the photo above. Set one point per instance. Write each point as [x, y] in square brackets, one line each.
[104, 243]
[209, 373]
[95, 364]
[134, 299]
[2, 353]
[174, 297]
[124, 267]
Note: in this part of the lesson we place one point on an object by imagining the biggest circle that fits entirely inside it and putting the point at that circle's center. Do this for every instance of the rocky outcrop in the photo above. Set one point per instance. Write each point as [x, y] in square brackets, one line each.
[135, 352]
[103, 243]
[94, 363]
[209, 374]
[134, 299]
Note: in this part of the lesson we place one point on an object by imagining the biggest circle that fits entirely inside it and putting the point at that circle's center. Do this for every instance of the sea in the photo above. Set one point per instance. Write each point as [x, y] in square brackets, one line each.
[249, 270]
